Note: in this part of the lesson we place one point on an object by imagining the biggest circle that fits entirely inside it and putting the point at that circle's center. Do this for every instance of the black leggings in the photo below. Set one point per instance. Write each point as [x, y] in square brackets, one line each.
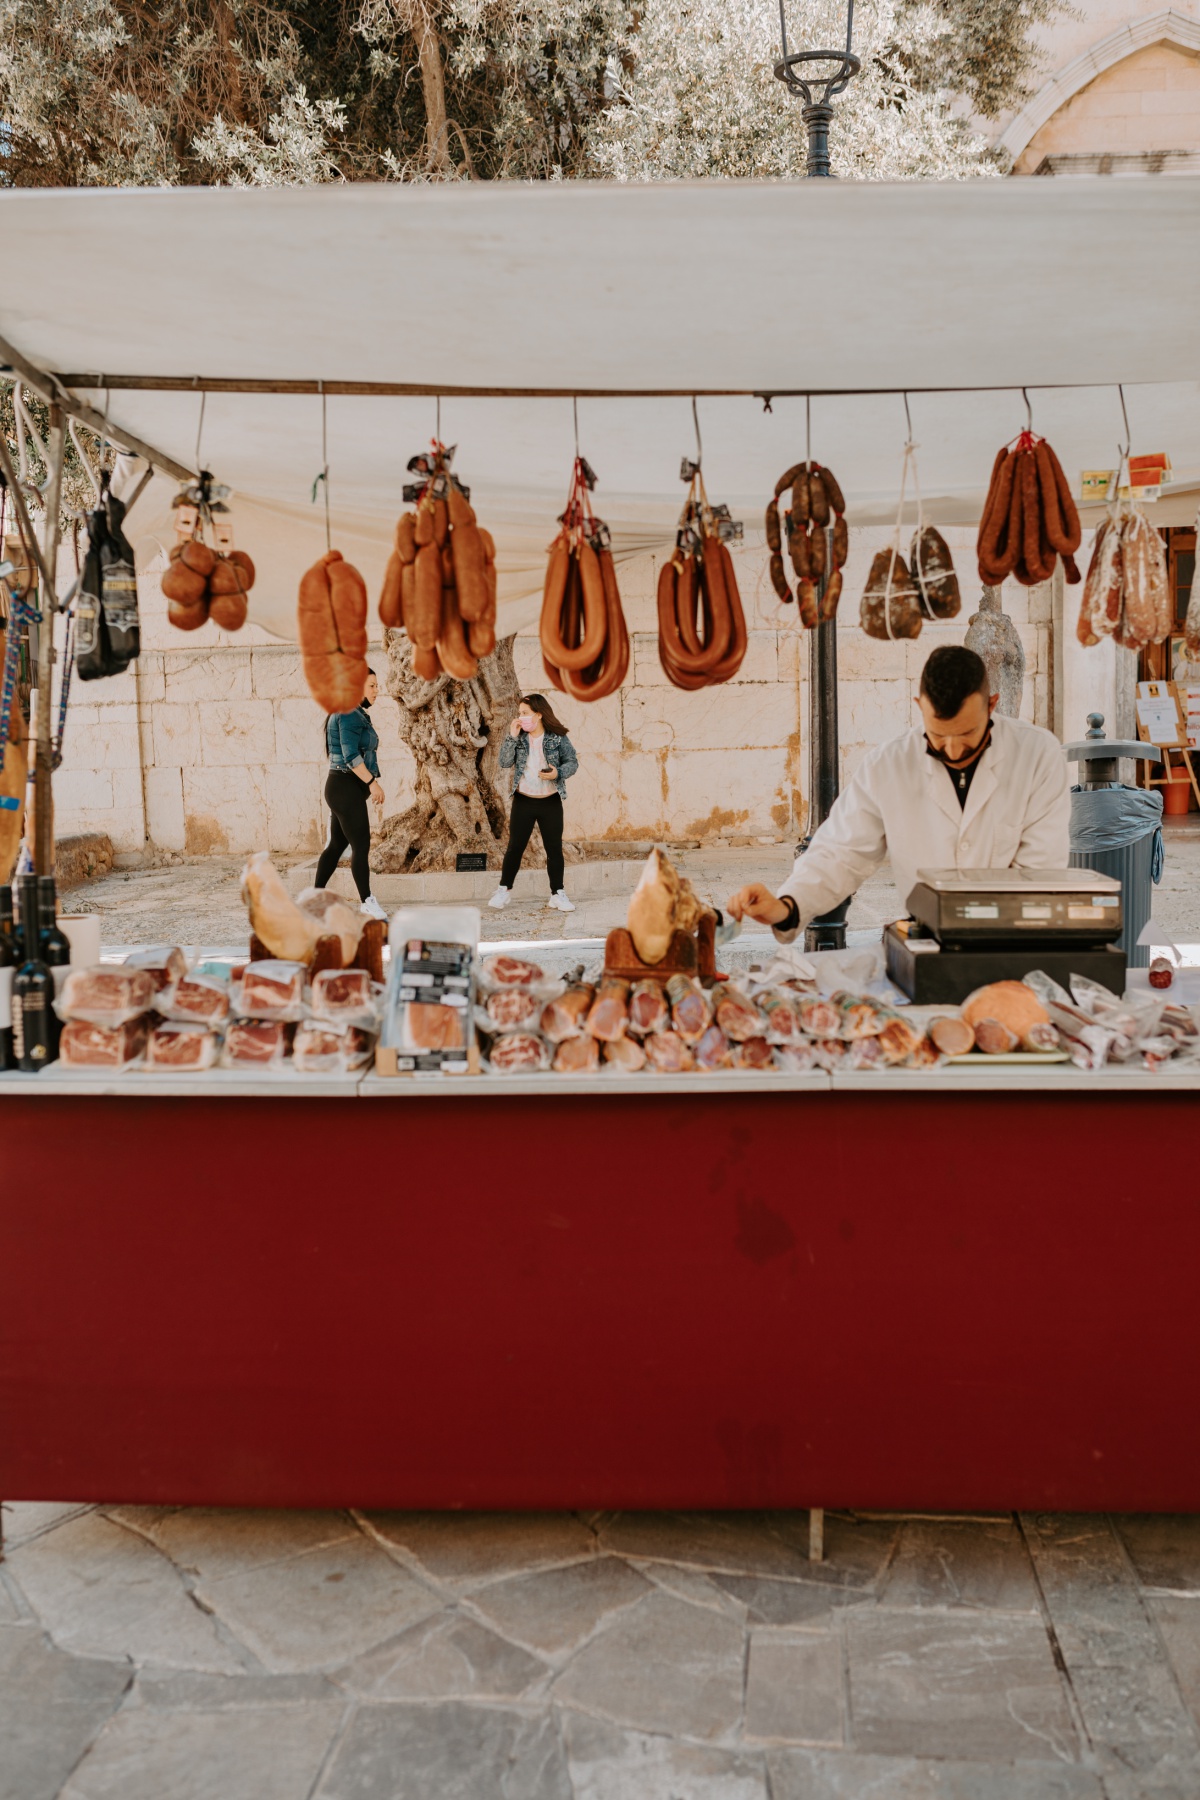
[346, 797]
[547, 815]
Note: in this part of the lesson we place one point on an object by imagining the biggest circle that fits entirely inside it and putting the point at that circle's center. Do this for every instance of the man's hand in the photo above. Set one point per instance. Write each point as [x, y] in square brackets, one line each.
[759, 902]
[514, 729]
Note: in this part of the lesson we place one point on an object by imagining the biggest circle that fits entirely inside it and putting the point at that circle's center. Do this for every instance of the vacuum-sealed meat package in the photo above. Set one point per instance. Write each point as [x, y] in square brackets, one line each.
[712, 1050]
[518, 1053]
[270, 990]
[344, 996]
[738, 1017]
[84, 1045]
[512, 1006]
[165, 964]
[256, 1043]
[667, 1052]
[648, 1009]
[625, 1053]
[196, 1000]
[427, 1025]
[320, 1048]
[565, 1017]
[577, 1056]
[690, 1013]
[174, 1046]
[105, 995]
[511, 971]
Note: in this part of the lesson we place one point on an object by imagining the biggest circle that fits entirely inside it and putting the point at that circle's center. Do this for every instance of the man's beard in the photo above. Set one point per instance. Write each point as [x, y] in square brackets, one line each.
[964, 762]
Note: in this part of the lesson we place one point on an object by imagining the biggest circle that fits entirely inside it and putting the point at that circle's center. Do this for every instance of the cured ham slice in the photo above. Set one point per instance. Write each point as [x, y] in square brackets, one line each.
[648, 1010]
[257, 1041]
[172, 1046]
[511, 971]
[165, 966]
[577, 1056]
[626, 1053]
[106, 996]
[565, 1017]
[341, 993]
[87, 1046]
[667, 1052]
[610, 1011]
[712, 1051]
[690, 1013]
[428, 1026]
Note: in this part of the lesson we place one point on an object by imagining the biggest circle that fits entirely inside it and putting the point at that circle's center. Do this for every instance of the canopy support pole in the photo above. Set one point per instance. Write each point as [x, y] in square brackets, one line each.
[43, 848]
[56, 393]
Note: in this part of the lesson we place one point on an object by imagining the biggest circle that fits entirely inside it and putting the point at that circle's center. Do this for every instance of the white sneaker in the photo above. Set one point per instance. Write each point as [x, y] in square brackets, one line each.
[372, 908]
[560, 900]
[501, 897]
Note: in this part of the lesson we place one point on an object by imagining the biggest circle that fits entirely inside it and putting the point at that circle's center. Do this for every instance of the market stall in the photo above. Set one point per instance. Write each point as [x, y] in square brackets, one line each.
[778, 1240]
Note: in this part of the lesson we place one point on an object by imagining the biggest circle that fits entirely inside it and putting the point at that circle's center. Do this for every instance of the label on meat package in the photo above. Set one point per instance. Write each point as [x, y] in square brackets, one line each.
[437, 960]
[443, 996]
[433, 1063]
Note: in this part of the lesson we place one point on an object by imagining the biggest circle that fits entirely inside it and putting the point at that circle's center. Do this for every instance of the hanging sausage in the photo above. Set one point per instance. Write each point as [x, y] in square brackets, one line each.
[207, 578]
[440, 582]
[701, 627]
[331, 621]
[1029, 517]
[585, 645]
[816, 551]
[1127, 594]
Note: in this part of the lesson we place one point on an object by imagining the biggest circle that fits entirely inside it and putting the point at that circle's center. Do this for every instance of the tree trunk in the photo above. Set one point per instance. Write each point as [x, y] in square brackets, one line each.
[433, 87]
[992, 635]
[454, 730]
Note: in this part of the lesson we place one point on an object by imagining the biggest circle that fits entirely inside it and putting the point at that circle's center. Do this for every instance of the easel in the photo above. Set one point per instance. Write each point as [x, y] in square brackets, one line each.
[1178, 743]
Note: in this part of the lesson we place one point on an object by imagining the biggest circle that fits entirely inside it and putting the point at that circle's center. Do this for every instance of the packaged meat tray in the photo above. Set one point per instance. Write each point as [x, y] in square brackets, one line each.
[344, 997]
[195, 1000]
[105, 995]
[270, 990]
[84, 1045]
[165, 964]
[428, 1011]
[518, 1053]
[181, 1046]
[320, 1048]
[256, 1043]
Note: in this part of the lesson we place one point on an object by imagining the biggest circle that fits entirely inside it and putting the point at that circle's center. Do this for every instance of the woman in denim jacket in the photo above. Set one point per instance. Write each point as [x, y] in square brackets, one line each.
[353, 746]
[541, 757]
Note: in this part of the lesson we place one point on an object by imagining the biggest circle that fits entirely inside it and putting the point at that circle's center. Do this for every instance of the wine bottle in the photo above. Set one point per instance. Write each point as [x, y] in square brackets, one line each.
[54, 944]
[10, 957]
[33, 990]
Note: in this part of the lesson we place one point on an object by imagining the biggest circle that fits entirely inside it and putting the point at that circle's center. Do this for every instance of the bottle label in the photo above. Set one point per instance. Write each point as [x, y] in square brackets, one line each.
[18, 1028]
[6, 981]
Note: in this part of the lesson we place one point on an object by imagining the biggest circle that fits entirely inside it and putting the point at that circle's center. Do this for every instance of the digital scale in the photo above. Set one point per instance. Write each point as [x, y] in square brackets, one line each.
[973, 926]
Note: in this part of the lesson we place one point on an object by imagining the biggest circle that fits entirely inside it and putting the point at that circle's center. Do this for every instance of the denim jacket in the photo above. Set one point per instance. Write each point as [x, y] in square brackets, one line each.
[559, 753]
[351, 739]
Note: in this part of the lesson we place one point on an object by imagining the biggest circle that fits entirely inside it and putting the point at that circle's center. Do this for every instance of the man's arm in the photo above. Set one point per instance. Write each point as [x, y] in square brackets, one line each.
[845, 850]
[1046, 831]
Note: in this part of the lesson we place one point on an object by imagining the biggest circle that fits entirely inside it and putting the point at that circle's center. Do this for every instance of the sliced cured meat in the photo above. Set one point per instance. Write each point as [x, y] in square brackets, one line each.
[738, 1017]
[898, 1039]
[518, 1051]
[782, 1015]
[577, 1056]
[820, 1018]
[667, 1052]
[87, 1046]
[754, 1053]
[690, 1013]
[1042, 1037]
[609, 1014]
[511, 971]
[256, 1041]
[952, 1036]
[648, 1010]
[626, 1053]
[165, 965]
[995, 1038]
[337, 992]
[106, 996]
[175, 1046]
[428, 1026]
[565, 1017]
[200, 1000]
[512, 1006]
[271, 989]
[712, 1051]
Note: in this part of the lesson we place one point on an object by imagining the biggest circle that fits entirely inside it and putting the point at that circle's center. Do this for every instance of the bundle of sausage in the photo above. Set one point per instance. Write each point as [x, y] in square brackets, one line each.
[585, 646]
[1029, 517]
[206, 580]
[1127, 594]
[816, 551]
[440, 583]
[701, 626]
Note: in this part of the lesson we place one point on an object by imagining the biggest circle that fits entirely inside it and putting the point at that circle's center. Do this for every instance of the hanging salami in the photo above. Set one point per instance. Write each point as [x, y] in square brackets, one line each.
[585, 644]
[891, 605]
[440, 581]
[1029, 518]
[817, 540]
[701, 626]
[1127, 594]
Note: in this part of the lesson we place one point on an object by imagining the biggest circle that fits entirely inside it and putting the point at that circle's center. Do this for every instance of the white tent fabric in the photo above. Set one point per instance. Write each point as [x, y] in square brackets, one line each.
[634, 297]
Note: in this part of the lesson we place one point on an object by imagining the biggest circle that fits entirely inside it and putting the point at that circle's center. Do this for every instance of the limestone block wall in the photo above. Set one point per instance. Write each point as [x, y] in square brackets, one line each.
[1148, 101]
[213, 744]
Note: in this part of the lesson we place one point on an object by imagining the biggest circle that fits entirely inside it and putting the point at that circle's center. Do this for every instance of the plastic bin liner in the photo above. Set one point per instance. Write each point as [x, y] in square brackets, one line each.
[1110, 818]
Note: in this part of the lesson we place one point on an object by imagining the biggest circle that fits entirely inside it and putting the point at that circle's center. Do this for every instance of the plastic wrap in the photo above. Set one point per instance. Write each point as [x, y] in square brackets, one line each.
[196, 1000]
[667, 1052]
[180, 1046]
[511, 971]
[165, 964]
[345, 997]
[510, 1007]
[323, 1048]
[626, 1054]
[738, 1017]
[712, 1049]
[565, 1017]
[256, 1043]
[577, 1055]
[86, 1045]
[270, 990]
[105, 995]
[690, 1011]
[518, 1053]
[648, 1010]
[751, 1053]
[609, 1014]
[781, 1011]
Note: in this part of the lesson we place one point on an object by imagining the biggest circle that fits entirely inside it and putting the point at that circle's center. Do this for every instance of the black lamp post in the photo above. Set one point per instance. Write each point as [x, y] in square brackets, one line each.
[817, 90]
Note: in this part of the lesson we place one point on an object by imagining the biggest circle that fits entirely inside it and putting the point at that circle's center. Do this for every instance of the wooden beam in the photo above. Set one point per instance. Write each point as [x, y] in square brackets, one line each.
[57, 392]
[239, 384]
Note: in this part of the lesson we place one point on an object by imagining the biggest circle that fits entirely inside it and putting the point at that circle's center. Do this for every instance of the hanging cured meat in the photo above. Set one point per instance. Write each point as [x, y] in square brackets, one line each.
[1127, 593]
[331, 622]
[206, 577]
[1029, 518]
[817, 538]
[900, 596]
[1191, 627]
[701, 627]
[585, 644]
[440, 581]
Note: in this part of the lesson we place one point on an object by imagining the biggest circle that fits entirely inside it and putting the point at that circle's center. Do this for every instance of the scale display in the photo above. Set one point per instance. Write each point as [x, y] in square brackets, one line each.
[974, 907]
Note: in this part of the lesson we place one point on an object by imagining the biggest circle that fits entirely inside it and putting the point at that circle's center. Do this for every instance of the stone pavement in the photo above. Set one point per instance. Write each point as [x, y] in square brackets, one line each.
[163, 1654]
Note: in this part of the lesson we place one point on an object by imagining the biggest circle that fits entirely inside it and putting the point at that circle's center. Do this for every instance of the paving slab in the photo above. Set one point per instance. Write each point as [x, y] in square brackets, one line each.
[168, 1690]
[216, 1541]
[555, 1609]
[608, 1763]
[1178, 1622]
[102, 1591]
[51, 1707]
[661, 1666]
[447, 1657]
[25, 1519]
[738, 1543]
[961, 1562]
[464, 1549]
[794, 1688]
[266, 1752]
[813, 1604]
[320, 1608]
[696, 1587]
[1164, 1549]
[954, 1684]
[841, 1775]
[403, 1751]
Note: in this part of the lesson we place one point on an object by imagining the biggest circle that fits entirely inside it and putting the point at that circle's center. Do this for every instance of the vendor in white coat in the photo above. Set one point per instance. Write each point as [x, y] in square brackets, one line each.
[965, 789]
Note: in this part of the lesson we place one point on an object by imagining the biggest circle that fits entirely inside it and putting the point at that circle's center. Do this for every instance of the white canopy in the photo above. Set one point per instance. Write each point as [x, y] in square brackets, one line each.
[633, 298]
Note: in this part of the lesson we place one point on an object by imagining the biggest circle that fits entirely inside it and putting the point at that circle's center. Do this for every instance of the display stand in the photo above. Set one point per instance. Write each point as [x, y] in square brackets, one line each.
[689, 953]
[1170, 743]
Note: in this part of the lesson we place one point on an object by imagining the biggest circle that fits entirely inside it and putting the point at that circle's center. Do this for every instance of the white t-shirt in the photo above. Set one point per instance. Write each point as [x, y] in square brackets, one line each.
[533, 782]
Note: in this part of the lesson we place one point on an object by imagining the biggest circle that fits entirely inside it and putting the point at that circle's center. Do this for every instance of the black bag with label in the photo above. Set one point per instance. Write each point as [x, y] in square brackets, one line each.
[107, 635]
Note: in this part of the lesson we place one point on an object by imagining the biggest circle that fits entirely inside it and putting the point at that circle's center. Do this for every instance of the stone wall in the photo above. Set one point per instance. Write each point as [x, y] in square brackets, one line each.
[213, 745]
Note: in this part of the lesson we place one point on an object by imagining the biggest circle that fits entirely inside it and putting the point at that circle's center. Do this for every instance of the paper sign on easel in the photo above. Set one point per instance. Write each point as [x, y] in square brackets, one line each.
[1158, 712]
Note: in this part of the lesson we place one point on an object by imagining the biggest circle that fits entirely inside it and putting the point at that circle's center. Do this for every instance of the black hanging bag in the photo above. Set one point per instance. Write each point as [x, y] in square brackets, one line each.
[107, 636]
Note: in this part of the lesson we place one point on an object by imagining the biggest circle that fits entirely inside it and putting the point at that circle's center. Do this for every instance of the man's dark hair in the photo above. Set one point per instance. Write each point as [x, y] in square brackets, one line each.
[949, 678]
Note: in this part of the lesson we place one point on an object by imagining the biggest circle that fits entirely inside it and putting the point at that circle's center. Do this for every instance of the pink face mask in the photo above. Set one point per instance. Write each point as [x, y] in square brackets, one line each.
[527, 724]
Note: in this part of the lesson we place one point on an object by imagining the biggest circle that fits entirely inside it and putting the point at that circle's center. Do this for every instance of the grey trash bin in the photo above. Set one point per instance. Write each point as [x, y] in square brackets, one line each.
[1117, 830]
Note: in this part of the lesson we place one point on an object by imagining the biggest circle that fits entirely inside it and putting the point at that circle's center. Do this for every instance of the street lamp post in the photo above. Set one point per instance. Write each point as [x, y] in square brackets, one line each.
[799, 72]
